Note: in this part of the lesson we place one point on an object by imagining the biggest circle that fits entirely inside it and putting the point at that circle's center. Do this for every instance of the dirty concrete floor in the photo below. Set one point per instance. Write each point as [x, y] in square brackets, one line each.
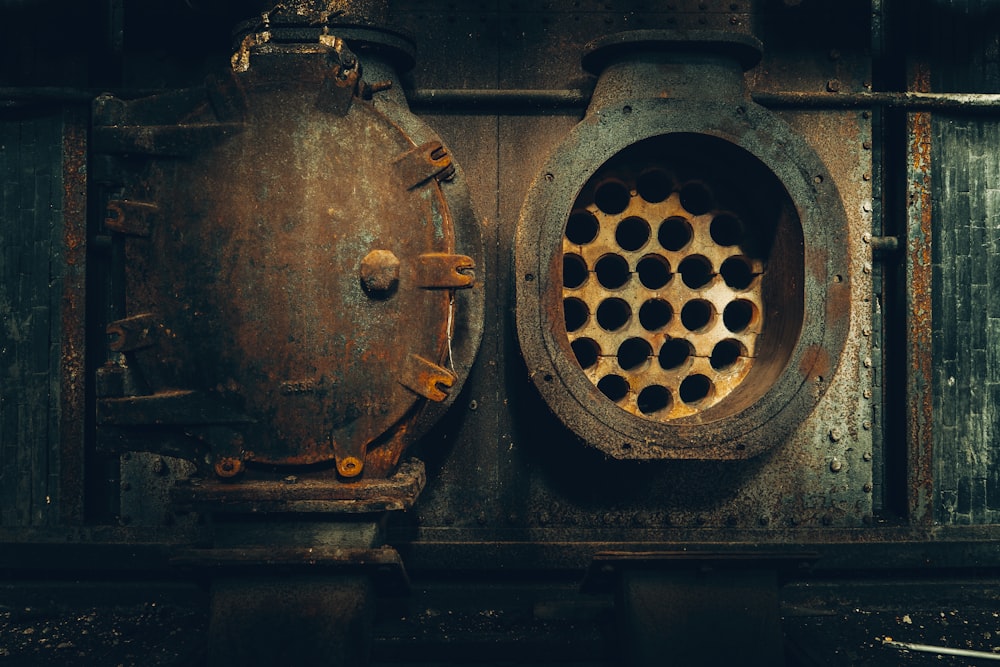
[138, 625]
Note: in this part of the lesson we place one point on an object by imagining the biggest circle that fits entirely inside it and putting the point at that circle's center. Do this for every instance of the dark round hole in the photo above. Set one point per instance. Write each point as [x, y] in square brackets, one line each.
[737, 315]
[652, 399]
[675, 233]
[695, 388]
[725, 354]
[654, 271]
[633, 353]
[696, 314]
[574, 271]
[612, 271]
[614, 387]
[582, 227]
[737, 272]
[654, 314]
[695, 198]
[674, 353]
[632, 233]
[613, 314]
[612, 197]
[575, 311]
[726, 229]
[654, 185]
[695, 271]
[586, 351]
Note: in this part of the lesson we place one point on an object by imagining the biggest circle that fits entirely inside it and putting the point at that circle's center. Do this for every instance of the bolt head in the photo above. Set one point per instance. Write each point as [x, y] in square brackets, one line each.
[380, 273]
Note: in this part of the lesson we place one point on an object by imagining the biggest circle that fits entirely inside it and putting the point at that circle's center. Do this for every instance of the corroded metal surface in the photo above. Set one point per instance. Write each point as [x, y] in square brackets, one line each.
[73, 342]
[806, 309]
[919, 361]
[295, 292]
[295, 494]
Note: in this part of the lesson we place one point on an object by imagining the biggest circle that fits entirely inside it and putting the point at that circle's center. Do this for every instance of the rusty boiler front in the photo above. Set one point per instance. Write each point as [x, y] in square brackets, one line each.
[290, 267]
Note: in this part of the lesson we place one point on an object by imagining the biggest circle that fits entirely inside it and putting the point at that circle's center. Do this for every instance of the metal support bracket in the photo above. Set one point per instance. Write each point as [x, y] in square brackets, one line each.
[132, 333]
[426, 378]
[422, 163]
[443, 270]
[134, 218]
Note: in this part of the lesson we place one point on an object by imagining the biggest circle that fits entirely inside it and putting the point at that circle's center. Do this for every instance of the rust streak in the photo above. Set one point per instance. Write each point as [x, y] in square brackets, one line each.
[919, 324]
[71, 454]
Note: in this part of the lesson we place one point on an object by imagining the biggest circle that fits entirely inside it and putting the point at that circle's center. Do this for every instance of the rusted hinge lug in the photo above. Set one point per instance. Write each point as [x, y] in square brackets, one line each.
[132, 333]
[426, 378]
[130, 217]
[422, 163]
[343, 79]
[444, 270]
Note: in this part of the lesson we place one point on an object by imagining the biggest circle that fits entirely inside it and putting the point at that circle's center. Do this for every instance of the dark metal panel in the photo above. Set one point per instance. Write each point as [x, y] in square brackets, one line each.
[31, 233]
[965, 178]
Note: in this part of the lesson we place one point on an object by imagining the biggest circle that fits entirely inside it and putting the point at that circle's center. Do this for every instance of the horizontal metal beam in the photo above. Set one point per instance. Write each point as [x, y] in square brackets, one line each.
[471, 98]
[571, 98]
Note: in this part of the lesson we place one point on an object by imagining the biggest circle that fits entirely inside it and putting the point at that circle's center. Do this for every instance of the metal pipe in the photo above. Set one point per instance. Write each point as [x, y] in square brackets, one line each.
[941, 650]
[573, 98]
[466, 98]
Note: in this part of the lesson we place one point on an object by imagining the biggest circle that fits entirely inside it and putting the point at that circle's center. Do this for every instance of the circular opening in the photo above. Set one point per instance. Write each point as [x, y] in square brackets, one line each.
[726, 229]
[633, 353]
[612, 197]
[652, 399]
[586, 351]
[632, 233]
[575, 311]
[582, 227]
[612, 271]
[654, 314]
[695, 388]
[725, 354]
[738, 315]
[574, 271]
[613, 314]
[696, 271]
[737, 272]
[696, 314]
[674, 353]
[654, 271]
[695, 198]
[614, 387]
[654, 185]
[726, 216]
[675, 233]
